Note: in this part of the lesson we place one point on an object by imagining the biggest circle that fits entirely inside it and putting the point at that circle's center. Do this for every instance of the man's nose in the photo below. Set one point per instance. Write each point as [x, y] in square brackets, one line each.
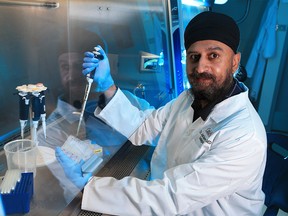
[202, 65]
[74, 72]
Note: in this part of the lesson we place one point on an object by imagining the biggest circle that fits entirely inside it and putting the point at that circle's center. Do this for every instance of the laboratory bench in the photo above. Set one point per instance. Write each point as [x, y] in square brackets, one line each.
[48, 198]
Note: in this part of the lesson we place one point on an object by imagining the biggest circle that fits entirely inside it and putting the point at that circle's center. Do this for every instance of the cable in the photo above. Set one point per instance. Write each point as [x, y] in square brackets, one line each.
[246, 13]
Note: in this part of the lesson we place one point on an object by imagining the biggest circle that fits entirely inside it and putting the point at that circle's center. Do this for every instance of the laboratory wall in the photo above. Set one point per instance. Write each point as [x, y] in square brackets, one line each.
[273, 104]
[258, 28]
[248, 15]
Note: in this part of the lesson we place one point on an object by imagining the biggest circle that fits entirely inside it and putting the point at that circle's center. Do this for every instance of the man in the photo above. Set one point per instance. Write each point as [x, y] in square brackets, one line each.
[211, 144]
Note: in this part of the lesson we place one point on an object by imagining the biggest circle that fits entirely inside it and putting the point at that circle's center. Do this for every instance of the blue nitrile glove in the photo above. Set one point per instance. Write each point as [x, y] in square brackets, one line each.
[102, 76]
[72, 169]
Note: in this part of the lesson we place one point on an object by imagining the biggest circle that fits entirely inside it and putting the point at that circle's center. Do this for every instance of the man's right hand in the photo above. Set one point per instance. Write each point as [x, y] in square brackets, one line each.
[102, 76]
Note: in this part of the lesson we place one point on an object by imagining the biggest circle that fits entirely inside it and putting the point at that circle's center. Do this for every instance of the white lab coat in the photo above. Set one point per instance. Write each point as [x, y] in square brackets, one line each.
[211, 168]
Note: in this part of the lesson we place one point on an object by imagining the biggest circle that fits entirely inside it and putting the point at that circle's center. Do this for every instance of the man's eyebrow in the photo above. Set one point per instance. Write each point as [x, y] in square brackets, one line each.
[215, 48]
[212, 48]
[192, 51]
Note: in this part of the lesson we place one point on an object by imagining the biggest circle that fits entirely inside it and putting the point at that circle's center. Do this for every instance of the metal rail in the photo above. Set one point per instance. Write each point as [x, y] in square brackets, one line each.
[33, 4]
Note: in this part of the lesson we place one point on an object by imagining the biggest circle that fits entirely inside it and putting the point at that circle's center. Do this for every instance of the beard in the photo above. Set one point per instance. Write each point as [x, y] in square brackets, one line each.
[211, 92]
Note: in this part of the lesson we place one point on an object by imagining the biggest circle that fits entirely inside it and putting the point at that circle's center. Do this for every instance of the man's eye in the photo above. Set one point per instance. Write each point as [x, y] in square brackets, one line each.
[64, 67]
[213, 55]
[195, 58]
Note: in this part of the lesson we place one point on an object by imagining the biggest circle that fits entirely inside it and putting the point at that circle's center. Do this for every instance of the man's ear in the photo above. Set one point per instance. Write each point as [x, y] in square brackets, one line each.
[236, 61]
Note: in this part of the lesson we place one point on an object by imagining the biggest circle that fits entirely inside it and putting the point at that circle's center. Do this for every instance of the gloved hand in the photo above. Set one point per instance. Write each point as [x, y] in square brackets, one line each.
[102, 76]
[72, 169]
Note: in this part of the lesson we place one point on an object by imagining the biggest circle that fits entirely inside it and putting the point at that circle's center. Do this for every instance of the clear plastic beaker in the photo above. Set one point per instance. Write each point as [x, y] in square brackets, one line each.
[21, 154]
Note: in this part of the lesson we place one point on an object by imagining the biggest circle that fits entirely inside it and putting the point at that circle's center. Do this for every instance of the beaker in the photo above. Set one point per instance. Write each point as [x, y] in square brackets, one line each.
[21, 154]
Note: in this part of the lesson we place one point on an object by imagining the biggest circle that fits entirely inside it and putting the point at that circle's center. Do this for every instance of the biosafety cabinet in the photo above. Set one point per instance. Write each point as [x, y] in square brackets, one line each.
[44, 42]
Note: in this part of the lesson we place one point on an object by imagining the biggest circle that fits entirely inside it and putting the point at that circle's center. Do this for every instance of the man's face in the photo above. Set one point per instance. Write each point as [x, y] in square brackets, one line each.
[210, 66]
[72, 79]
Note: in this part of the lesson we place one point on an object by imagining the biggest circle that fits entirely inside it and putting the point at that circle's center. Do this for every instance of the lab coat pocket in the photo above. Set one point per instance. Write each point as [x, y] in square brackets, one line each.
[195, 146]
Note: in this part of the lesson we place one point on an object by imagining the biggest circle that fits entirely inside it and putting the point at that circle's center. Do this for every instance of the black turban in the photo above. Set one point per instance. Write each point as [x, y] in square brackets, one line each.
[212, 26]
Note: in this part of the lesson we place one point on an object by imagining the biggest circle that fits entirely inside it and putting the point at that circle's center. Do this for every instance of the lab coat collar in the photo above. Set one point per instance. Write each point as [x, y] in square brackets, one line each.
[204, 113]
[230, 105]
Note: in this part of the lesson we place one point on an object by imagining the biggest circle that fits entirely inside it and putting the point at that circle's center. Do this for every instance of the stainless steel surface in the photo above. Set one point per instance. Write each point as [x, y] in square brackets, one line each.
[129, 160]
[32, 39]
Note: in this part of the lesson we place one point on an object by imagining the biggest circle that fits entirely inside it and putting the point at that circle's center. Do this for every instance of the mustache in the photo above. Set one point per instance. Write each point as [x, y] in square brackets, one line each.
[204, 75]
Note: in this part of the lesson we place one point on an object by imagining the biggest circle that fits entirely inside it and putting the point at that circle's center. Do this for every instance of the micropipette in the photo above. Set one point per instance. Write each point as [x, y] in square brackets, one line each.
[35, 94]
[43, 111]
[36, 109]
[24, 103]
[42, 107]
[89, 79]
[87, 91]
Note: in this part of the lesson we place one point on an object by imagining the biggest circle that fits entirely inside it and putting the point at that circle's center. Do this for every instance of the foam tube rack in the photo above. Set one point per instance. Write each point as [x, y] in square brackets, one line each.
[18, 200]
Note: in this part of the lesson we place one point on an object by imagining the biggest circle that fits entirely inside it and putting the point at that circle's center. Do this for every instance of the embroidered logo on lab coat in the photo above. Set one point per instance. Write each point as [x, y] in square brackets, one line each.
[204, 136]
